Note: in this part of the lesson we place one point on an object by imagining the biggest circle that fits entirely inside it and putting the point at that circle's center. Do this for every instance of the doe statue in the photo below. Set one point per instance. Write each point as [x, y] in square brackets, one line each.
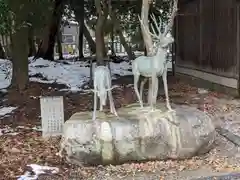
[152, 67]
[102, 87]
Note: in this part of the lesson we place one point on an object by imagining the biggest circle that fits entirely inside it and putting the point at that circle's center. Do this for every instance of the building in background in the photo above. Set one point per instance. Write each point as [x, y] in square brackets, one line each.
[70, 35]
[69, 38]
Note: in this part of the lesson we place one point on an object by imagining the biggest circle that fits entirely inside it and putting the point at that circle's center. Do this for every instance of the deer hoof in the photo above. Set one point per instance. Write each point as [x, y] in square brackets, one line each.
[171, 110]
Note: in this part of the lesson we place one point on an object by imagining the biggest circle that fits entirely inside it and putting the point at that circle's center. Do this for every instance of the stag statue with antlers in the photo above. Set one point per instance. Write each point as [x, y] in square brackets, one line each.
[102, 88]
[152, 67]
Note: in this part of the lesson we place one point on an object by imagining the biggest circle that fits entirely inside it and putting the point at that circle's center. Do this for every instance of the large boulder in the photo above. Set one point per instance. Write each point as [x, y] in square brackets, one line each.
[136, 135]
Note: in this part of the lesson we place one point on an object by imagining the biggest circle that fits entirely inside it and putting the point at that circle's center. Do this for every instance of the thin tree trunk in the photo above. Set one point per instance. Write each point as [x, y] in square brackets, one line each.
[112, 40]
[59, 44]
[144, 15]
[79, 13]
[112, 28]
[89, 39]
[127, 48]
[99, 32]
[81, 29]
[47, 49]
[2, 52]
[147, 38]
[3, 40]
[31, 42]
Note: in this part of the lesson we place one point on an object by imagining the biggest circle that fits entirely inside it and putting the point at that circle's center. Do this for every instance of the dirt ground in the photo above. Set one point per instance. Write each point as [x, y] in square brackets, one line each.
[22, 143]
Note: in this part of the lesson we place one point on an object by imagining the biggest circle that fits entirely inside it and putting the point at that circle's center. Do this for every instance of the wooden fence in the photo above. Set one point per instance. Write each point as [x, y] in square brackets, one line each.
[207, 40]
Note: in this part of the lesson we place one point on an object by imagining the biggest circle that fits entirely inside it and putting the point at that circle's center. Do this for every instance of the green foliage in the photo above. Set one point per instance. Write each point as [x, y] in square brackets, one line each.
[24, 13]
[5, 14]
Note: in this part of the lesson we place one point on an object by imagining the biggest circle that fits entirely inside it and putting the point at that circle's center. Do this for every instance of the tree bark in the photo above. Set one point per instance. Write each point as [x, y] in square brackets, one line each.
[79, 12]
[59, 44]
[112, 41]
[144, 16]
[127, 48]
[80, 40]
[81, 29]
[91, 42]
[31, 43]
[20, 59]
[19, 45]
[147, 38]
[2, 52]
[99, 32]
[46, 51]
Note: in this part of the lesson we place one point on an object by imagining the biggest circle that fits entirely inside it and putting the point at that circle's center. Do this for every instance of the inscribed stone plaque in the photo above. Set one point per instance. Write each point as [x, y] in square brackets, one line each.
[52, 115]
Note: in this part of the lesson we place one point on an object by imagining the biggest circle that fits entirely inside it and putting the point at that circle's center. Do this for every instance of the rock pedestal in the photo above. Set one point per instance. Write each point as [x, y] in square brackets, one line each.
[136, 135]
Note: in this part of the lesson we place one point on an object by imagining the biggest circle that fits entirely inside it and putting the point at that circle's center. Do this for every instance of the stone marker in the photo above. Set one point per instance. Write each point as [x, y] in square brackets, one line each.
[52, 115]
[137, 135]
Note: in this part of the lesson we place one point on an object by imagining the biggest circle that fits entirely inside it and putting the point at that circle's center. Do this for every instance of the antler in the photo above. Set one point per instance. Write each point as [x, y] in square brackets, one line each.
[169, 25]
[156, 27]
[155, 32]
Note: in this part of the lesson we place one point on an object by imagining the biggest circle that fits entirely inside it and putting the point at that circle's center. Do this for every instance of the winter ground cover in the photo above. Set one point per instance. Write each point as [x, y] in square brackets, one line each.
[25, 155]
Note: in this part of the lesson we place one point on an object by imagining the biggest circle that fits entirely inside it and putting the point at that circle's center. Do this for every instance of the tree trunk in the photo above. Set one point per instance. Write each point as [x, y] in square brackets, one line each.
[81, 29]
[127, 48]
[91, 42]
[59, 44]
[144, 16]
[100, 44]
[99, 32]
[79, 13]
[147, 38]
[31, 43]
[46, 51]
[111, 14]
[2, 52]
[20, 59]
[112, 41]
[80, 40]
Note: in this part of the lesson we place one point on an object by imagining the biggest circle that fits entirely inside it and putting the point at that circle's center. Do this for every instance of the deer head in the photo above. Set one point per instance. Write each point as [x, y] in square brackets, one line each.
[161, 39]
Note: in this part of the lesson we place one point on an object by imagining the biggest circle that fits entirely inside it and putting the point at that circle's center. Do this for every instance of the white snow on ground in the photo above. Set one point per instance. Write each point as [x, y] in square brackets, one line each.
[7, 131]
[6, 110]
[36, 171]
[5, 69]
[73, 74]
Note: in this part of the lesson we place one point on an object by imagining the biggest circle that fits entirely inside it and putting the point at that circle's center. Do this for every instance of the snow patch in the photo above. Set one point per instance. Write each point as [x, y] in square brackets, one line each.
[7, 131]
[73, 74]
[4, 111]
[38, 170]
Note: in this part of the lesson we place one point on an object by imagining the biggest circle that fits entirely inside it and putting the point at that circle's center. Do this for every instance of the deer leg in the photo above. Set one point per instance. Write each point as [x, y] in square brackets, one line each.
[94, 105]
[155, 90]
[164, 76]
[112, 106]
[149, 91]
[136, 79]
[101, 104]
[109, 67]
[141, 87]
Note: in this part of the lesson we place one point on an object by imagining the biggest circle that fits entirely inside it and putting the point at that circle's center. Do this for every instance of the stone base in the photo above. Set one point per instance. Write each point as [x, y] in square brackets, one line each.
[137, 135]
